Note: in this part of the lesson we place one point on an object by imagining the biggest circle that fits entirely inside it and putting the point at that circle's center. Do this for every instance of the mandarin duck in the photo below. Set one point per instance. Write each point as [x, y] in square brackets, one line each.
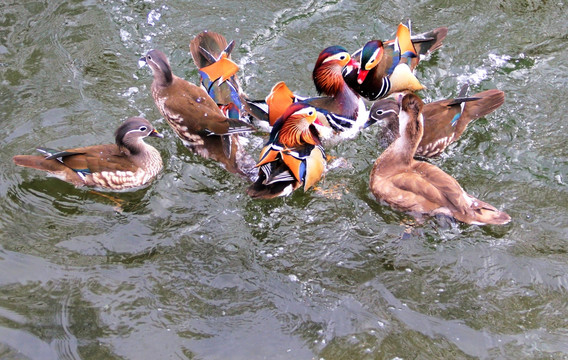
[186, 107]
[195, 117]
[341, 111]
[128, 163]
[421, 188]
[444, 120]
[293, 155]
[212, 55]
[387, 67]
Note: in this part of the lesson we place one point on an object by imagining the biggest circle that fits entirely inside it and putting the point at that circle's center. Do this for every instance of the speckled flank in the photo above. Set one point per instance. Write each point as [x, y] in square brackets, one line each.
[121, 180]
[435, 148]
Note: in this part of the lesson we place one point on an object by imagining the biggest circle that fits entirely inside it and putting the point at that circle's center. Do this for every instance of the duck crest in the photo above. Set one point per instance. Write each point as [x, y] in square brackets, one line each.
[297, 131]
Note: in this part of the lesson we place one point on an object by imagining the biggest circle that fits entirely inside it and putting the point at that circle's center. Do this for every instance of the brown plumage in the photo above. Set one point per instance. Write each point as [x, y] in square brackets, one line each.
[208, 44]
[444, 120]
[128, 163]
[187, 107]
[419, 187]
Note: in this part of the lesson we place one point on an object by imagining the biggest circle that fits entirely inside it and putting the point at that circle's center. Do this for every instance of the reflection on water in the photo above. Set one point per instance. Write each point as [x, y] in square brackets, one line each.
[193, 268]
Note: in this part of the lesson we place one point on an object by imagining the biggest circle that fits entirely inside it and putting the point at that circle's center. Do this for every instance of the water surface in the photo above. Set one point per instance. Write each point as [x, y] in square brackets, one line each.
[193, 268]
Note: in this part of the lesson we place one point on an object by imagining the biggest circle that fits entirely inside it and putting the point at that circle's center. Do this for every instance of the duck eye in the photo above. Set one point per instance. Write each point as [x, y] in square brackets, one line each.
[310, 113]
[143, 128]
[148, 57]
[379, 112]
[342, 57]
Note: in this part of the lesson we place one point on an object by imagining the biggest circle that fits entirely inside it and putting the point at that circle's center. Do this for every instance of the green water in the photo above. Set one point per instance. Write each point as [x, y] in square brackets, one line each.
[193, 268]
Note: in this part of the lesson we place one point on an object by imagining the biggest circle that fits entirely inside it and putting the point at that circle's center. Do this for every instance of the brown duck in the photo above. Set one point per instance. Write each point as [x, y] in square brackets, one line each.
[127, 164]
[444, 120]
[196, 118]
[418, 187]
[186, 107]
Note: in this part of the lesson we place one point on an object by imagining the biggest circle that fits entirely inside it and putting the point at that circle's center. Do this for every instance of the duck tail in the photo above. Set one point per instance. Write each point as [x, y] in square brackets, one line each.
[487, 102]
[429, 41]
[38, 162]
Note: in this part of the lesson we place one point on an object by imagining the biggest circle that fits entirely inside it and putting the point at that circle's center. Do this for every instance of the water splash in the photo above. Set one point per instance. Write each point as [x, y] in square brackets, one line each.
[153, 17]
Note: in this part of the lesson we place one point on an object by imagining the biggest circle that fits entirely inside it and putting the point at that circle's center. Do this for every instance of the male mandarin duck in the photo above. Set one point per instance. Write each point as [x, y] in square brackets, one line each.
[341, 111]
[272, 107]
[212, 55]
[418, 187]
[128, 163]
[293, 155]
[387, 67]
[342, 108]
[444, 120]
[186, 107]
[424, 43]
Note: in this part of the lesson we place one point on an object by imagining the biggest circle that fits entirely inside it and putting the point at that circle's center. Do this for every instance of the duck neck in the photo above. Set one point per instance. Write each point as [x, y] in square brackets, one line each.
[133, 146]
[348, 99]
[143, 155]
[410, 131]
[164, 77]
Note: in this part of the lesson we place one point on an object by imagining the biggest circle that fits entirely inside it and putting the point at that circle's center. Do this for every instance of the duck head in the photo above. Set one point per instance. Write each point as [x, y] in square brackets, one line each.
[296, 126]
[411, 121]
[132, 132]
[159, 64]
[371, 55]
[327, 73]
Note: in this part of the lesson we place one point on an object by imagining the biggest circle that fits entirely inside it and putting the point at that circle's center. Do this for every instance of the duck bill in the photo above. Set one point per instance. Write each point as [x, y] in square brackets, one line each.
[350, 66]
[155, 133]
[142, 62]
[369, 122]
[362, 76]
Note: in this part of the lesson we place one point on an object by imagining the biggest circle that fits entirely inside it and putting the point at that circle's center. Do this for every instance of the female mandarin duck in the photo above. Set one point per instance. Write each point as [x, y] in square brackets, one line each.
[128, 163]
[444, 120]
[341, 111]
[196, 118]
[419, 187]
[293, 155]
[186, 107]
[387, 68]
[212, 55]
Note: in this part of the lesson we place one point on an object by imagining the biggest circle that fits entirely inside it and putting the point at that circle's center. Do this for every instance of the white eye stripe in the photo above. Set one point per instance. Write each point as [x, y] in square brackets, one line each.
[374, 56]
[310, 111]
[138, 130]
[340, 56]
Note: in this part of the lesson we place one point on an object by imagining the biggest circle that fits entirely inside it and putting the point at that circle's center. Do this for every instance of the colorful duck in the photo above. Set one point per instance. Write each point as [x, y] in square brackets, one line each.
[418, 187]
[387, 68]
[444, 120]
[128, 163]
[212, 55]
[340, 111]
[293, 155]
